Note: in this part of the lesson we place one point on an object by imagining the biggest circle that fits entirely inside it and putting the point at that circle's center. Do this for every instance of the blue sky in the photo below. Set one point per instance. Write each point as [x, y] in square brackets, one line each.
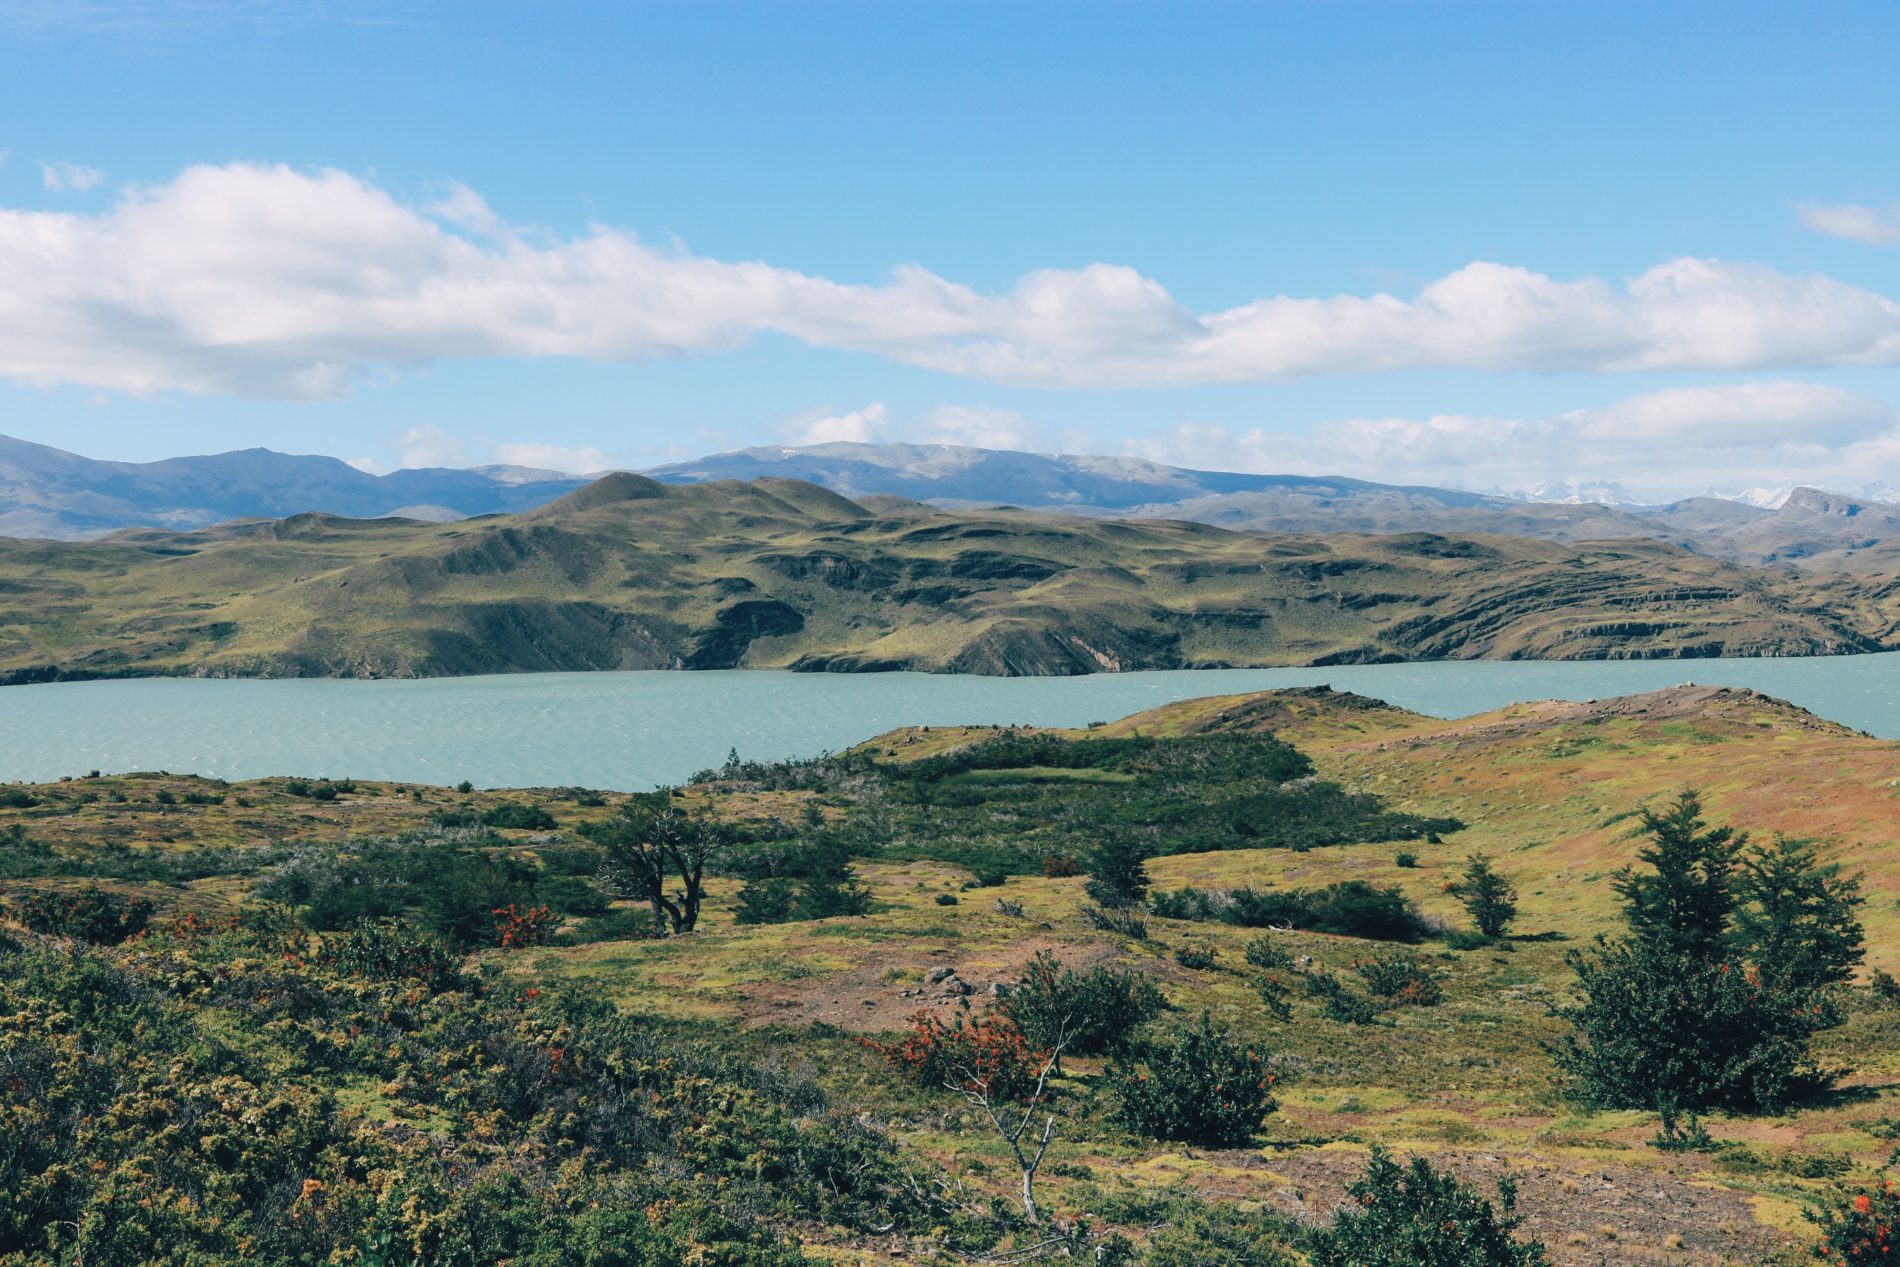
[509, 231]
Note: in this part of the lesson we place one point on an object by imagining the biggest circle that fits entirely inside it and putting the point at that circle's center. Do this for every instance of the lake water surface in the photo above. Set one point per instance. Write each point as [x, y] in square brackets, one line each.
[636, 730]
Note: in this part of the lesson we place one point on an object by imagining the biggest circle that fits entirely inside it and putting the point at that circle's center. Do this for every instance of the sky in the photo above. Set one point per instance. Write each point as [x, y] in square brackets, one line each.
[1484, 245]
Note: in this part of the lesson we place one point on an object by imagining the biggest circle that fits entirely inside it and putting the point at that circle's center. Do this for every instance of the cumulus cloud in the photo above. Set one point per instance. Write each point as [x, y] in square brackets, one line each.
[270, 281]
[858, 426]
[1661, 444]
[69, 178]
[431, 445]
[979, 426]
[1854, 222]
[583, 460]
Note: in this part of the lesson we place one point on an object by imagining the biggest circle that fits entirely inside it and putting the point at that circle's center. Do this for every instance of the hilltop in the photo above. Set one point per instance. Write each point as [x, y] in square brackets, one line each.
[630, 573]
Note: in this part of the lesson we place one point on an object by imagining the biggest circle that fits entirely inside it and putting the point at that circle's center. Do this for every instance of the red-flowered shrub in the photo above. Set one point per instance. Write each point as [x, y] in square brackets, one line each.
[989, 1057]
[517, 926]
[1863, 1232]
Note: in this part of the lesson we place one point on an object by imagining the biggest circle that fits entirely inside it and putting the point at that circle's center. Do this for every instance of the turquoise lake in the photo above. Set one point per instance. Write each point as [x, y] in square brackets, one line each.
[636, 730]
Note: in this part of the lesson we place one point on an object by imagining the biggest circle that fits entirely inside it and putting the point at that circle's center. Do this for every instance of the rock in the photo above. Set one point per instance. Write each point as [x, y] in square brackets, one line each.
[957, 985]
[940, 974]
[999, 989]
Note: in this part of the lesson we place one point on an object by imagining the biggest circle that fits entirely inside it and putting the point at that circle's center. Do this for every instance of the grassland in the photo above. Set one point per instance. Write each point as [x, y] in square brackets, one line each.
[1549, 790]
[630, 574]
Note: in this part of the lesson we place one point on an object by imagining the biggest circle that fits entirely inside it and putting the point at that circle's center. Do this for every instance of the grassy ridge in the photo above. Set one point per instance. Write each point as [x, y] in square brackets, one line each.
[628, 574]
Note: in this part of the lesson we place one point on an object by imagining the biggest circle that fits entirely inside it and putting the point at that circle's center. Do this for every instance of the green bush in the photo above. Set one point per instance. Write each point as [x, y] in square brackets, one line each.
[1198, 958]
[1203, 1087]
[1401, 978]
[91, 915]
[1405, 859]
[1349, 908]
[1416, 1216]
[1097, 1011]
[389, 952]
[1337, 1003]
[515, 816]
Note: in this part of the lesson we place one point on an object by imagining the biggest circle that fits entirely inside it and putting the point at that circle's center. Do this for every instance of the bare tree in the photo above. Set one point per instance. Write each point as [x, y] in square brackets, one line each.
[650, 839]
[1014, 1128]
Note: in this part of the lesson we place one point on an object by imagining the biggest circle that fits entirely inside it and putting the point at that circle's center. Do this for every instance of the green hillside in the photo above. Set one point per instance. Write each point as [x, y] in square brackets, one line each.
[627, 573]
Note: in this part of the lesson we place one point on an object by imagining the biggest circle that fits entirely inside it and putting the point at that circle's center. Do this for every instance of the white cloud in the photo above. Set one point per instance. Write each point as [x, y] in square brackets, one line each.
[369, 466]
[583, 460]
[430, 445]
[1854, 222]
[859, 426]
[64, 178]
[269, 281]
[1662, 444]
[979, 426]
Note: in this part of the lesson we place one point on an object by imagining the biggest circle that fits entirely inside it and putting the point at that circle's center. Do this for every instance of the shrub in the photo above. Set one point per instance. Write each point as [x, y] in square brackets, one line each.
[17, 798]
[1885, 988]
[1269, 955]
[385, 951]
[1097, 1011]
[570, 894]
[463, 888]
[513, 815]
[1117, 876]
[769, 901]
[1419, 1217]
[988, 876]
[1221, 1234]
[1862, 1231]
[465, 787]
[91, 915]
[1487, 896]
[1349, 908]
[946, 899]
[1204, 1087]
[1405, 859]
[1337, 1003]
[517, 926]
[1124, 921]
[990, 1056]
[1401, 978]
[1199, 958]
[1059, 866]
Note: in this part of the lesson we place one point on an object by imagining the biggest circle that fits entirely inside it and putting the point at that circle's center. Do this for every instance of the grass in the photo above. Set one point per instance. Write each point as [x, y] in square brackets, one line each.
[1548, 791]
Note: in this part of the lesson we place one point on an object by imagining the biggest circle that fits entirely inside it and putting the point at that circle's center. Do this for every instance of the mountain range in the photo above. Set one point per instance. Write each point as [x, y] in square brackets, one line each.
[48, 493]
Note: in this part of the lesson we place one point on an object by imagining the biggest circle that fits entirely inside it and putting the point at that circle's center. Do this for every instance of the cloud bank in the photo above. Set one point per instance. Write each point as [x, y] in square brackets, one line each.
[1660, 445]
[274, 282]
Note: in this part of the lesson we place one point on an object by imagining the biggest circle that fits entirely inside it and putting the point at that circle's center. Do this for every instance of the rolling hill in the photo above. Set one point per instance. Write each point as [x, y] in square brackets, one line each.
[629, 573]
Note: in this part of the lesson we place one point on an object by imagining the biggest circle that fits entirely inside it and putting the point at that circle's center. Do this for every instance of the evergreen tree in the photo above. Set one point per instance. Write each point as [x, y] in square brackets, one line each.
[1487, 896]
[1729, 969]
[1688, 903]
[1117, 877]
[1798, 921]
